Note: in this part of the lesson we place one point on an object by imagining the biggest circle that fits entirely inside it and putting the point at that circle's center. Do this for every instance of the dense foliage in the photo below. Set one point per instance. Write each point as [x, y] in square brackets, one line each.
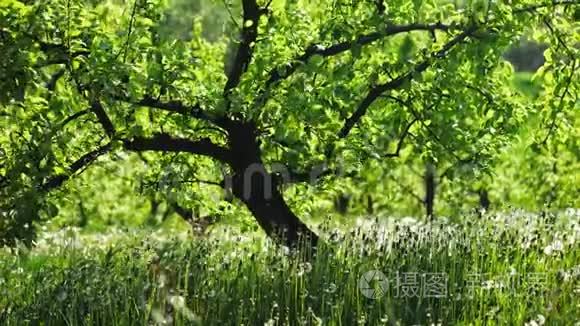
[374, 91]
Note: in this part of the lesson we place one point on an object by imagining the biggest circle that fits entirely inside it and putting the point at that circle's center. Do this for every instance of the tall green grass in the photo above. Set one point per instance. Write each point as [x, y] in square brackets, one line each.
[230, 279]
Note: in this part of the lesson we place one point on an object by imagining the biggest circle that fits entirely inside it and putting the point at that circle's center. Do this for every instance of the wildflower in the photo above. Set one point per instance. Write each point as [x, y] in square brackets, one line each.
[556, 246]
[532, 323]
[270, 322]
[304, 268]
[331, 288]
[178, 303]
[541, 319]
[563, 276]
[538, 321]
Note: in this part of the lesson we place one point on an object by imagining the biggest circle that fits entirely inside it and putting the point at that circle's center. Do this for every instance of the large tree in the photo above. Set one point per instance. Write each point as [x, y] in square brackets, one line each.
[300, 92]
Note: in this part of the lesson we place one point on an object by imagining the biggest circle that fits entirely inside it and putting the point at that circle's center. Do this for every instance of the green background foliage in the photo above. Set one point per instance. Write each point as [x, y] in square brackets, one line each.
[483, 94]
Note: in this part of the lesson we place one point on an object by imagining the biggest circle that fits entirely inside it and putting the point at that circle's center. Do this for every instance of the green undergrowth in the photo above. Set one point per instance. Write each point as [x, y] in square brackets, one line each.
[504, 269]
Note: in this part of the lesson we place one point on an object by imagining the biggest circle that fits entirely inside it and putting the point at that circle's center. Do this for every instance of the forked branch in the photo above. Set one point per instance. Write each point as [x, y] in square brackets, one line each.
[402, 138]
[378, 90]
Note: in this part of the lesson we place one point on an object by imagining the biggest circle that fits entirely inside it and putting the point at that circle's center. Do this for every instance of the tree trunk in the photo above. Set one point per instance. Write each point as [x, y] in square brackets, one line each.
[483, 199]
[273, 214]
[429, 190]
[260, 191]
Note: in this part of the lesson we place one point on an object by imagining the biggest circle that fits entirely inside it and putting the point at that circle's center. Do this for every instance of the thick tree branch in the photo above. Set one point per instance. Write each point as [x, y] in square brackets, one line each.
[171, 106]
[312, 176]
[104, 120]
[183, 212]
[286, 70]
[167, 143]
[57, 53]
[81, 163]
[194, 111]
[220, 184]
[380, 5]
[378, 90]
[248, 39]
[316, 173]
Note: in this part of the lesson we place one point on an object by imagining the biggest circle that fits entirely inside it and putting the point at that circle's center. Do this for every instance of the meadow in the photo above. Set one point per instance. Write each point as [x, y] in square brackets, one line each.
[500, 269]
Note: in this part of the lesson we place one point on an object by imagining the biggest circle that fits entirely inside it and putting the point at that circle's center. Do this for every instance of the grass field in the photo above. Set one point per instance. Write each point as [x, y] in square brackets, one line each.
[504, 269]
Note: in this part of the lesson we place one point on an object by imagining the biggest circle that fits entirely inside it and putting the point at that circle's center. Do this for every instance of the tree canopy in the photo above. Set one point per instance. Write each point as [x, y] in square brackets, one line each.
[313, 96]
